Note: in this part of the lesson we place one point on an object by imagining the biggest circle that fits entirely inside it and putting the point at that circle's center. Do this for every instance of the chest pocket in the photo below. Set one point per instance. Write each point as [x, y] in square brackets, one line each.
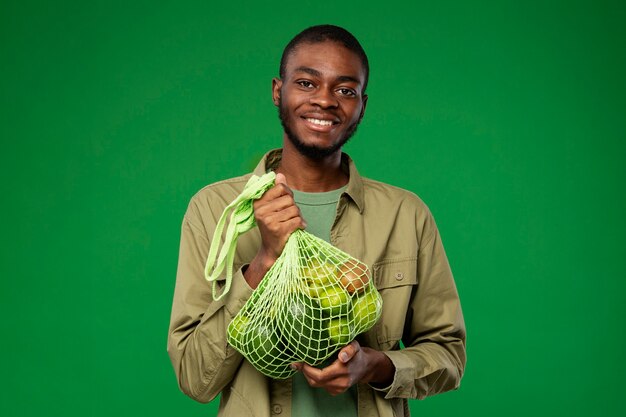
[396, 280]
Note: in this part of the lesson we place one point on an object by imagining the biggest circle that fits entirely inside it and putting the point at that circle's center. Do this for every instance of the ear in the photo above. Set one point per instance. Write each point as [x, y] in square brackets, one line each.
[363, 108]
[276, 84]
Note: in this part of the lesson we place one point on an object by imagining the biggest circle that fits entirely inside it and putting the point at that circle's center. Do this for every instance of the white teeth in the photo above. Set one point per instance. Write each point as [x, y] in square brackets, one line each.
[321, 122]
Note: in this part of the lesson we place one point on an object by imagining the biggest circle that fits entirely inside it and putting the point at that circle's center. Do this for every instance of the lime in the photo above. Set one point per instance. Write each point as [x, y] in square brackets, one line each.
[340, 331]
[334, 301]
[301, 326]
[266, 351]
[366, 309]
[317, 276]
[236, 330]
[263, 347]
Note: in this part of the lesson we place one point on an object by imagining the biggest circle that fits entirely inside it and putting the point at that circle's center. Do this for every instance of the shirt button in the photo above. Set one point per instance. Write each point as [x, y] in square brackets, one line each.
[277, 409]
[399, 276]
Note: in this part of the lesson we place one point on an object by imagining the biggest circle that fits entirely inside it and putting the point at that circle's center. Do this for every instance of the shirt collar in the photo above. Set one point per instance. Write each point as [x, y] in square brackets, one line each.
[355, 183]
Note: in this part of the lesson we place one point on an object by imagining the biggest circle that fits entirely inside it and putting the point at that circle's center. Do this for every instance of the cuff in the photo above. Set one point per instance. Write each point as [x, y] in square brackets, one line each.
[239, 292]
[384, 390]
[403, 384]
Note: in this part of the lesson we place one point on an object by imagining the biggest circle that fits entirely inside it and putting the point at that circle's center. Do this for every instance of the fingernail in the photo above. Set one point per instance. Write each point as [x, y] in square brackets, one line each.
[343, 356]
[294, 366]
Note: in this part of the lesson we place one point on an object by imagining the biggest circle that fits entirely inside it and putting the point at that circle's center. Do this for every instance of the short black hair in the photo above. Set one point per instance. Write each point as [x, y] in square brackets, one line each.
[322, 33]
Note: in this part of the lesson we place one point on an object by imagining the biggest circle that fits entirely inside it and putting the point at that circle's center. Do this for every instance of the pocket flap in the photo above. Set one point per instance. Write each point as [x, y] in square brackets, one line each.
[390, 273]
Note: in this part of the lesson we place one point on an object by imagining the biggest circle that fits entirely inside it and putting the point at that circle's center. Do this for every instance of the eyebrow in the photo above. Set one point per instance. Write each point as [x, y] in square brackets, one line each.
[316, 73]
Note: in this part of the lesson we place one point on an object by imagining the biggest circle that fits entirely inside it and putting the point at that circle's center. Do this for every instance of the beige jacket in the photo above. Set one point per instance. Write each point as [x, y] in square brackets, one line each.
[386, 227]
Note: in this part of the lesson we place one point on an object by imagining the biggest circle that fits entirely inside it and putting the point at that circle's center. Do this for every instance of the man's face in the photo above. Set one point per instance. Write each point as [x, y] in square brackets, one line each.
[320, 98]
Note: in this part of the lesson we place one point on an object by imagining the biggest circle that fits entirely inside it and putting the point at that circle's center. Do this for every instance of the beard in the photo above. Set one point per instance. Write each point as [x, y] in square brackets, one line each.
[312, 151]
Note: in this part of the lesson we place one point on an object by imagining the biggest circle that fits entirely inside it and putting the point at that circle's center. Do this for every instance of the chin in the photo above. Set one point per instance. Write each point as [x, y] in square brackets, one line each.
[314, 151]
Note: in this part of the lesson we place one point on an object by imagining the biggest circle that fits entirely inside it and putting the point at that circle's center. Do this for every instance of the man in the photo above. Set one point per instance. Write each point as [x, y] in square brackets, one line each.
[321, 99]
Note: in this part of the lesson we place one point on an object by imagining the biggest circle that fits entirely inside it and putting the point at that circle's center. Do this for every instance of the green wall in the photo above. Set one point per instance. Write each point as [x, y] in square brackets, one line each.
[508, 118]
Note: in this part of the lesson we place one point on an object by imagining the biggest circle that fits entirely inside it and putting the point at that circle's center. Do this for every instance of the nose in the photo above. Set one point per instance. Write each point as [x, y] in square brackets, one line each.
[324, 98]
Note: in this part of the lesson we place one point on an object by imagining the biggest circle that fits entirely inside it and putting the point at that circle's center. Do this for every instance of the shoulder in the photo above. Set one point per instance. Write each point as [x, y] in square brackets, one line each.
[398, 214]
[403, 208]
[209, 202]
[222, 188]
[380, 193]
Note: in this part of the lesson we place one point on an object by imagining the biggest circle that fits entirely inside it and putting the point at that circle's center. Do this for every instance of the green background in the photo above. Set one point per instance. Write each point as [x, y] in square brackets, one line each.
[508, 118]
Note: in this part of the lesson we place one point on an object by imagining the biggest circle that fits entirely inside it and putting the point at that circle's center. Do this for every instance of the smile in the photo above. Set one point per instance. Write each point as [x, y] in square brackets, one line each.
[319, 122]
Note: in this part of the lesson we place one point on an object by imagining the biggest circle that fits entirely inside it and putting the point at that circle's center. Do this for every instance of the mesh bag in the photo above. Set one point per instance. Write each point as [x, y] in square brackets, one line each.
[313, 301]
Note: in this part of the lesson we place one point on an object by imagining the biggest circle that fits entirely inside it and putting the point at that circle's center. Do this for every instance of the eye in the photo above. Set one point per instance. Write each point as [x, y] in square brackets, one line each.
[348, 92]
[305, 83]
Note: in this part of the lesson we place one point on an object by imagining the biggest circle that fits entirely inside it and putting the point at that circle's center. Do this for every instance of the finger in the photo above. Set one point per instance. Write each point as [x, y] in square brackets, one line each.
[312, 374]
[275, 205]
[276, 191]
[293, 224]
[296, 366]
[349, 351]
[325, 375]
[286, 214]
[277, 221]
[281, 179]
[280, 216]
[333, 378]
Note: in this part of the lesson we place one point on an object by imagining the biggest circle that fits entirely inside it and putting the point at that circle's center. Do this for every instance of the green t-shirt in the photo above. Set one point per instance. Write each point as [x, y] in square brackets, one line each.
[319, 211]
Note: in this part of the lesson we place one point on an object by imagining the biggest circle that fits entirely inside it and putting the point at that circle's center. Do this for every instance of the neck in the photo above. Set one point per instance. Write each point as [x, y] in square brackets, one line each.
[311, 175]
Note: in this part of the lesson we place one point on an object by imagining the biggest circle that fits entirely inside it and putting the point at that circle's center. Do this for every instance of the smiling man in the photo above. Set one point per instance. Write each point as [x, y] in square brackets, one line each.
[417, 348]
[323, 86]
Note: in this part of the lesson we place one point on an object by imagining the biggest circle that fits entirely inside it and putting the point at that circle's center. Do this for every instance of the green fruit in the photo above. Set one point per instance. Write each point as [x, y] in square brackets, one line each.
[265, 350]
[334, 301]
[366, 309]
[236, 330]
[302, 328]
[263, 347]
[261, 340]
[317, 276]
[340, 331]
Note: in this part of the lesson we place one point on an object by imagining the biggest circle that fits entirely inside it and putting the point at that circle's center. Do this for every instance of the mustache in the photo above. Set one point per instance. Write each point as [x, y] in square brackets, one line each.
[312, 151]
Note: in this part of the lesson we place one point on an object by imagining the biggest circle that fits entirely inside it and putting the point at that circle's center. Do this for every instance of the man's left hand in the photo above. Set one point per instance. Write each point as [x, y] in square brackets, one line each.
[354, 364]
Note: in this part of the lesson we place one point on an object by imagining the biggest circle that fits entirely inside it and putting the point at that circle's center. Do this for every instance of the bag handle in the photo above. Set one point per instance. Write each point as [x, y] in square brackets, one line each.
[241, 220]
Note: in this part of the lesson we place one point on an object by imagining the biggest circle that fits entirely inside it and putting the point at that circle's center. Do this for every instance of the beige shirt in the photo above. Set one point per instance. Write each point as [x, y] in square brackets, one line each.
[386, 227]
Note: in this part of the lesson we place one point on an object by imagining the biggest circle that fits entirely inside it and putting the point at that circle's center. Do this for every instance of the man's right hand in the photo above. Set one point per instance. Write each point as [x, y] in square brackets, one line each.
[277, 217]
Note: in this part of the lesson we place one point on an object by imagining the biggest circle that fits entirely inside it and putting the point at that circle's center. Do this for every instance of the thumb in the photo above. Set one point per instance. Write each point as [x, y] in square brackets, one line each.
[281, 179]
[296, 366]
[349, 351]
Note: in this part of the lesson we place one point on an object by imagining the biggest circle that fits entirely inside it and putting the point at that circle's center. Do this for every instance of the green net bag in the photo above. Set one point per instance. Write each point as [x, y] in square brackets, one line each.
[313, 301]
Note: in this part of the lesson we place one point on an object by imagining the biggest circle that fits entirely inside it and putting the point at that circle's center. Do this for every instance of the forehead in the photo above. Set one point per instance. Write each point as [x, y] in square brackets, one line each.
[328, 57]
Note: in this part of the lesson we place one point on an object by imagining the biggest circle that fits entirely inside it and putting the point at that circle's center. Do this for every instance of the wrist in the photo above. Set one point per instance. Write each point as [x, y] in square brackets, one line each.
[382, 371]
[257, 269]
[264, 259]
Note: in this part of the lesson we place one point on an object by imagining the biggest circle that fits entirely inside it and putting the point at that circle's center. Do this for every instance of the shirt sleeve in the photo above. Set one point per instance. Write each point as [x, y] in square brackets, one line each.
[203, 361]
[433, 360]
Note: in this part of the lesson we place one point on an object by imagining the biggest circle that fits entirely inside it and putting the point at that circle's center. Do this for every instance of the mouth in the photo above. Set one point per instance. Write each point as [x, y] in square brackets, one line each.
[320, 123]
